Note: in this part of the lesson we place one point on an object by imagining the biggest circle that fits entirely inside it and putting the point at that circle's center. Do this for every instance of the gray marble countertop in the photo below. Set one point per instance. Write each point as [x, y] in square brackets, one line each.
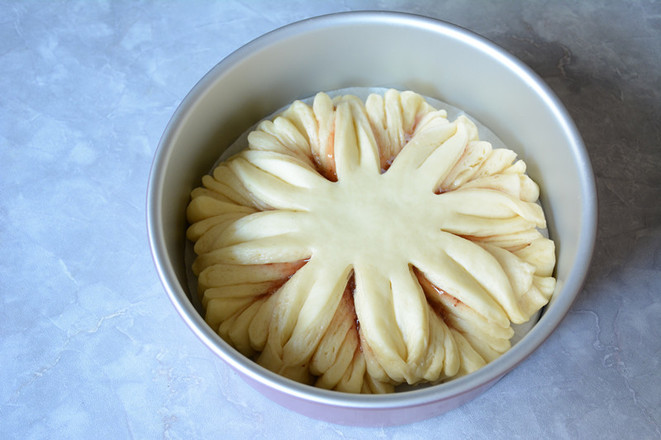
[90, 345]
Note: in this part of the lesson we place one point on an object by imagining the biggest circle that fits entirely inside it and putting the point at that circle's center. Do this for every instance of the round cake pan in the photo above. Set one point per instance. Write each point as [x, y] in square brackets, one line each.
[375, 49]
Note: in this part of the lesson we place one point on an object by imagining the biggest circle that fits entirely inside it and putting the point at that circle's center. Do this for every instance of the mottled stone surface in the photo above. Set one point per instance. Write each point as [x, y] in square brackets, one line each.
[90, 345]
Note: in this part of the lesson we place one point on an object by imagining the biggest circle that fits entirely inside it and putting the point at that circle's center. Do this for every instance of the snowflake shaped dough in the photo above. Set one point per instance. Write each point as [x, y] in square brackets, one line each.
[358, 246]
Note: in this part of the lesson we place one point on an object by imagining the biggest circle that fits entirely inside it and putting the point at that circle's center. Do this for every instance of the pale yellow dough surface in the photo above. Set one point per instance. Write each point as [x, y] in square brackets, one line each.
[359, 245]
